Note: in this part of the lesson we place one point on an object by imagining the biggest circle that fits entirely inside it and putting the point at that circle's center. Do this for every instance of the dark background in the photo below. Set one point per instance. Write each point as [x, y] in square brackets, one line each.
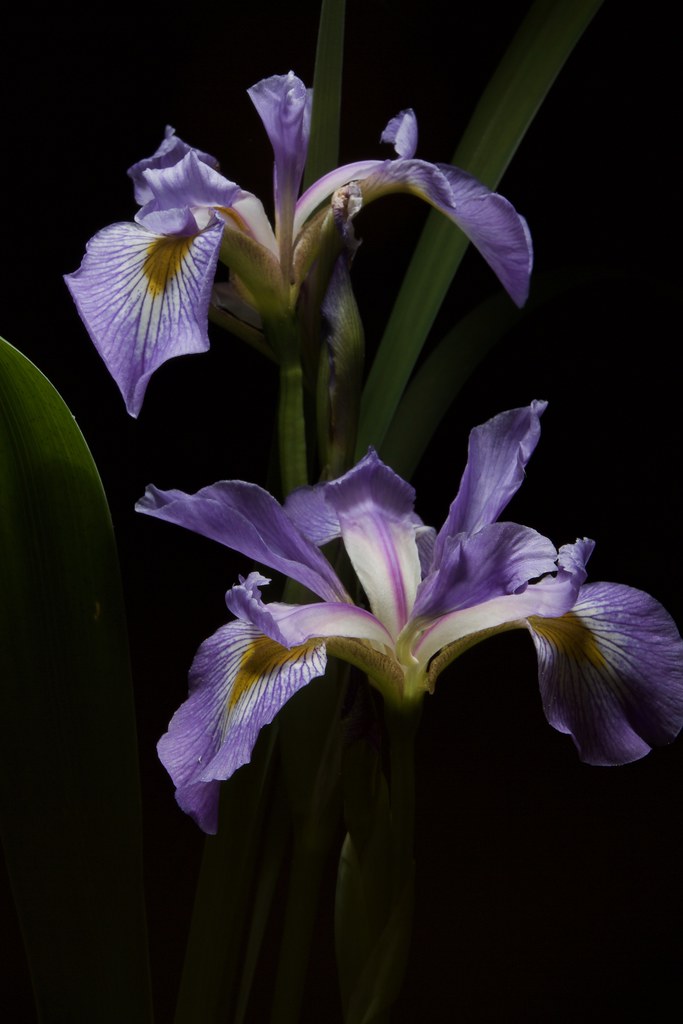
[547, 890]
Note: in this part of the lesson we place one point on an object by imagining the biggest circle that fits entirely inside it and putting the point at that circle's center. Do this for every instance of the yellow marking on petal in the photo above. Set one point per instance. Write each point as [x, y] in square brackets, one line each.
[571, 636]
[263, 658]
[227, 211]
[164, 261]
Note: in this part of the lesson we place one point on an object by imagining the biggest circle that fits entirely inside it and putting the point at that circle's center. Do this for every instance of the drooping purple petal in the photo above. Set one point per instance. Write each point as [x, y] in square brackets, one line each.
[611, 673]
[284, 105]
[170, 151]
[402, 132]
[246, 518]
[144, 298]
[239, 680]
[295, 624]
[493, 225]
[498, 452]
[484, 580]
[376, 519]
[490, 222]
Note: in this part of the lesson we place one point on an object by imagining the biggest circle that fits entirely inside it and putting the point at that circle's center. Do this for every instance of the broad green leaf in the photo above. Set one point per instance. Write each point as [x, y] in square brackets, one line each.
[534, 59]
[69, 791]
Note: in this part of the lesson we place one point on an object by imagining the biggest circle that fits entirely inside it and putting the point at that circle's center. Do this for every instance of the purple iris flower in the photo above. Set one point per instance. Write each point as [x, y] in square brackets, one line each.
[144, 288]
[610, 658]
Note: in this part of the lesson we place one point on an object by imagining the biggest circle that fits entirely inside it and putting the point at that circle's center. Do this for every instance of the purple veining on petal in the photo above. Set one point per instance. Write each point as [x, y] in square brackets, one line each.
[611, 673]
[239, 680]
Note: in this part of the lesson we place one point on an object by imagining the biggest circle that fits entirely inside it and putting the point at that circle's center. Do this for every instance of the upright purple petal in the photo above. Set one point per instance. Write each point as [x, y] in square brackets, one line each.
[498, 452]
[611, 673]
[402, 132]
[187, 184]
[246, 518]
[239, 680]
[144, 297]
[284, 105]
[170, 152]
[376, 519]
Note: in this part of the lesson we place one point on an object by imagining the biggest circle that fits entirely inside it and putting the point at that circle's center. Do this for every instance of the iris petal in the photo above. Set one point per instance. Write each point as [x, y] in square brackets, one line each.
[376, 519]
[498, 452]
[246, 518]
[144, 298]
[611, 673]
[239, 680]
[484, 581]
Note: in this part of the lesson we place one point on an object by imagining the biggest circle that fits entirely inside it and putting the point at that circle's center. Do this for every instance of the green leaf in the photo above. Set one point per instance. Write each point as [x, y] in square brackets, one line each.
[448, 366]
[69, 791]
[323, 148]
[532, 62]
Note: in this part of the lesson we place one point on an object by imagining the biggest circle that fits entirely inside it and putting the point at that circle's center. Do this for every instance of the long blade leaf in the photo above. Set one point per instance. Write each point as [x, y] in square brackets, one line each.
[532, 62]
[69, 791]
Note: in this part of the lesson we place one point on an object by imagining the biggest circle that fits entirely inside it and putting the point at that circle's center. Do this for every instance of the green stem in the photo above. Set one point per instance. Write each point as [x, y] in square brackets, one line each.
[402, 726]
[292, 427]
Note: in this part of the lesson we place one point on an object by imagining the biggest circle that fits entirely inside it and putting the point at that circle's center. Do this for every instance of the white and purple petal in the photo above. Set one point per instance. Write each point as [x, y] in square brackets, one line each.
[376, 520]
[246, 518]
[295, 624]
[487, 579]
[239, 680]
[611, 673]
[144, 297]
[498, 452]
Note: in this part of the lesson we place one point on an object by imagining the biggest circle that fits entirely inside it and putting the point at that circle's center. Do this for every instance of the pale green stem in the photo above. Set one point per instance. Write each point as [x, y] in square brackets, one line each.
[283, 336]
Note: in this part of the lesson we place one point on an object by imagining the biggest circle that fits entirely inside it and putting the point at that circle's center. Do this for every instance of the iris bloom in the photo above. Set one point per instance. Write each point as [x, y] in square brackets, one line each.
[144, 288]
[609, 657]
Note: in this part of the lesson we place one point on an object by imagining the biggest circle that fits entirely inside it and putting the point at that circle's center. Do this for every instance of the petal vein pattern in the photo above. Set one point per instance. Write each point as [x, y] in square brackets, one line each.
[143, 297]
[239, 680]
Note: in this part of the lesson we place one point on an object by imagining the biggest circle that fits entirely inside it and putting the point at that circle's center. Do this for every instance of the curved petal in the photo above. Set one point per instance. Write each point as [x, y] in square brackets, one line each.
[284, 106]
[402, 132]
[493, 225]
[375, 510]
[292, 624]
[144, 298]
[498, 452]
[170, 151]
[611, 673]
[324, 187]
[490, 222]
[188, 183]
[246, 518]
[485, 581]
[239, 680]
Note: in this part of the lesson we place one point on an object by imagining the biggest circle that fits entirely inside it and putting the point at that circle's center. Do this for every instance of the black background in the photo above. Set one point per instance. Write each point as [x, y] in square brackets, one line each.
[547, 890]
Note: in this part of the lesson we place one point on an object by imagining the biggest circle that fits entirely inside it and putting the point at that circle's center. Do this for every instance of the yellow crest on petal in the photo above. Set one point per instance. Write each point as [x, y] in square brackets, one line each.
[570, 635]
[164, 261]
[263, 659]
